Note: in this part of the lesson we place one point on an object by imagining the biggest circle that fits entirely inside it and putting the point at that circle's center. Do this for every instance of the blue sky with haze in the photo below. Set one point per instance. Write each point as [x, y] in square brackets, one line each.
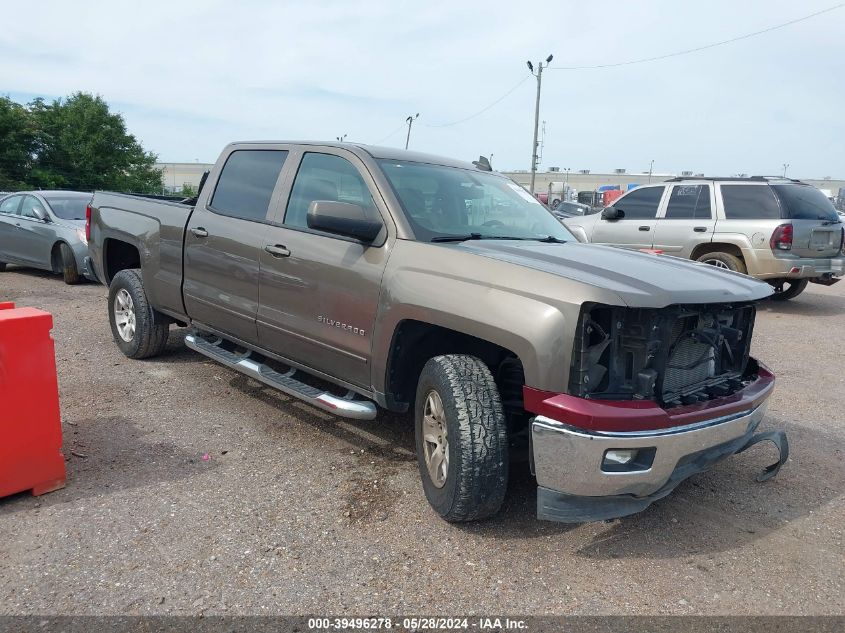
[192, 76]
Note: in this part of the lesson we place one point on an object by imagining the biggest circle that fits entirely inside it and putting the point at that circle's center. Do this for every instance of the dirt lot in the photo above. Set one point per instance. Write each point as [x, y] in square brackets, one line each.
[300, 512]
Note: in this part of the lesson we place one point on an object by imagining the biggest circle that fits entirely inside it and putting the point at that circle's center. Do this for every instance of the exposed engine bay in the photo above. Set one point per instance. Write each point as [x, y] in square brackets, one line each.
[675, 355]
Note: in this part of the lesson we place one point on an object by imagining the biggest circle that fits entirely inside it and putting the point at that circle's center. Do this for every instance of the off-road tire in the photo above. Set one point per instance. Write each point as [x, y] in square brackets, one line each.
[477, 475]
[796, 287]
[732, 262]
[151, 327]
[68, 263]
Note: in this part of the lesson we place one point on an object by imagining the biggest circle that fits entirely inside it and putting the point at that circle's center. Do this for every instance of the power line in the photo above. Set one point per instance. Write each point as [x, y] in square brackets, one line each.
[382, 140]
[702, 48]
[484, 109]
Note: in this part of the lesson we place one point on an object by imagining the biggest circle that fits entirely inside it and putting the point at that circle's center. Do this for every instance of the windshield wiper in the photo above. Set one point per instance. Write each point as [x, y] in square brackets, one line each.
[476, 236]
[549, 239]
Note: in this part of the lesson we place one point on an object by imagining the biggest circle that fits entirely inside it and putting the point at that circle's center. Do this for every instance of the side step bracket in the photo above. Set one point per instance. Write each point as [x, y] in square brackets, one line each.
[345, 406]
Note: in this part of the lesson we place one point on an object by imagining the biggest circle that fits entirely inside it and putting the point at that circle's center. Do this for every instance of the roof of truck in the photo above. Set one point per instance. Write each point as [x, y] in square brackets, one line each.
[390, 153]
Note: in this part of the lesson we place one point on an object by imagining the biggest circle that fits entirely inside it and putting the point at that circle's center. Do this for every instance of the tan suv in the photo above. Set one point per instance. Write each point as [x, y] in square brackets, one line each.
[783, 231]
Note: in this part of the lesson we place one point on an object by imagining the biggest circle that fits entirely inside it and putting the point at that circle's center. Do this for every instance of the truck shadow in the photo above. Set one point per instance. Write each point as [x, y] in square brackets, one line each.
[714, 511]
[807, 304]
[109, 454]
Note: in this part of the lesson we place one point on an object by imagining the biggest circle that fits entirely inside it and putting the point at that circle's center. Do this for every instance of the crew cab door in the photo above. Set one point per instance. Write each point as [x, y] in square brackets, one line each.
[636, 229]
[34, 237]
[223, 238]
[319, 292]
[686, 220]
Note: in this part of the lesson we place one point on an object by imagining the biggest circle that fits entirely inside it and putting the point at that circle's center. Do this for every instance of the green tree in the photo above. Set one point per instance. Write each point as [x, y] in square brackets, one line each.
[17, 144]
[81, 145]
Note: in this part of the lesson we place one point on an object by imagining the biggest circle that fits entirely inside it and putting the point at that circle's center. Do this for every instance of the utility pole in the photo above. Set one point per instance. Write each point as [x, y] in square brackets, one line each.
[410, 121]
[650, 169]
[539, 76]
[785, 167]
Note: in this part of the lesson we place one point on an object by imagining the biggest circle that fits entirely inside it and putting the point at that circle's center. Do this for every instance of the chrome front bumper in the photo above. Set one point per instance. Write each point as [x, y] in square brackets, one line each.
[569, 460]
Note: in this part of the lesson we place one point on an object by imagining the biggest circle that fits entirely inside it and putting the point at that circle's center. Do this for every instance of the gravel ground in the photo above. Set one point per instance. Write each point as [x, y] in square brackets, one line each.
[298, 512]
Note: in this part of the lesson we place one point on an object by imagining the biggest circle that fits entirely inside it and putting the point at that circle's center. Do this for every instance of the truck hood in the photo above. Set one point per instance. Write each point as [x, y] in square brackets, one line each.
[639, 279]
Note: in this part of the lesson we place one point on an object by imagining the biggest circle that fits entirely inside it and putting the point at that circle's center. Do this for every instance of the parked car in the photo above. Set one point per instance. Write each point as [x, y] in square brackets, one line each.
[46, 230]
[419, 283]
[782, 231]
[572, 209]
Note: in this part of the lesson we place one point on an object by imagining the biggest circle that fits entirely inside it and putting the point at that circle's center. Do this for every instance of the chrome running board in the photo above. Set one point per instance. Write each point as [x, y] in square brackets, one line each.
[344, 406]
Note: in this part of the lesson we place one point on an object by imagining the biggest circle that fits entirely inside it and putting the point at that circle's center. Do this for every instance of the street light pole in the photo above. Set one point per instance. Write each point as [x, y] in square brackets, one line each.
[341, 138]
[539, 75]
[410, 122]
[785, 167]
[650, 169]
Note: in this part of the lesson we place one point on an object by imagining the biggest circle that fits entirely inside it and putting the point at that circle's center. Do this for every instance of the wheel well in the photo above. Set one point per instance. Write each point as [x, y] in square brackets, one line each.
[119, 256]
[415, 342]
[716, 247]
[56, 257]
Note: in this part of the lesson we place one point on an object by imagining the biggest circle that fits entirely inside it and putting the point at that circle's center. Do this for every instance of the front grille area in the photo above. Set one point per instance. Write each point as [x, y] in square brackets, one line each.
[674, 355]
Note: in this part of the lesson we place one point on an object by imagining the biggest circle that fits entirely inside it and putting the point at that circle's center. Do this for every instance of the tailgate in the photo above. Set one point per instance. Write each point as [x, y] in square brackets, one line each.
[814, 238]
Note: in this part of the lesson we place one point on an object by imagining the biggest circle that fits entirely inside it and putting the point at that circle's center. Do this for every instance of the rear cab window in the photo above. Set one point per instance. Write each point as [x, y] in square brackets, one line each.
[246, 184]
[749, 202]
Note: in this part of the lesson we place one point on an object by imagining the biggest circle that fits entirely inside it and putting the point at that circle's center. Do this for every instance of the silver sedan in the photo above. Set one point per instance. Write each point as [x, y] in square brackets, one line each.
[46, 230]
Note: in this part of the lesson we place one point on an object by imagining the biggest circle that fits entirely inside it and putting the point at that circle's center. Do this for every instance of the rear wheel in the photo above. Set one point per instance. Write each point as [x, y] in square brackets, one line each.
[2, 266]
[68, 262]
[138, 329]
[786, 289]
[725, 261]
[461, 437]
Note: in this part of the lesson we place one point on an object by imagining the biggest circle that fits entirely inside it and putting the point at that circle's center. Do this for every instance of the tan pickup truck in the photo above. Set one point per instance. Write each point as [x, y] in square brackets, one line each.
[356, 277]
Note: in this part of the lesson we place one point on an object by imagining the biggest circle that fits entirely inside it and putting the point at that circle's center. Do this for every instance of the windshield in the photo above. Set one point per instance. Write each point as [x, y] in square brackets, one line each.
[803, 202]
[69, 208]
[442, 201]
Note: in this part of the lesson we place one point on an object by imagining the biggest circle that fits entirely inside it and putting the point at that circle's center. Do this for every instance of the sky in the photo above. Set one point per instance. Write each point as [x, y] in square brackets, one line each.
[190, 77]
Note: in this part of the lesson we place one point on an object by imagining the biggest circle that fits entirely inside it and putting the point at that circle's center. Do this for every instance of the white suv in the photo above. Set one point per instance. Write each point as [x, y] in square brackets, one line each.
[783, 231]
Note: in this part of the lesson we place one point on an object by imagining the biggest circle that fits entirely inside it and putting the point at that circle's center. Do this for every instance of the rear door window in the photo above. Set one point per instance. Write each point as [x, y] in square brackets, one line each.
[805, 202]
[689, 202]
[750, 202]
[246, 183]
[640, 204]
[10, 205]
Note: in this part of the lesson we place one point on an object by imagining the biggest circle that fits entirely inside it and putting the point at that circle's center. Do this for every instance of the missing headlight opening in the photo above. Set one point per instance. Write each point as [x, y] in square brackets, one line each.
[675, 355]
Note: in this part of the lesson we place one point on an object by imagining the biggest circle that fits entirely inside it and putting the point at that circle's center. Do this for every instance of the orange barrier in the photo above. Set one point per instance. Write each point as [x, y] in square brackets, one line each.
[30, 425]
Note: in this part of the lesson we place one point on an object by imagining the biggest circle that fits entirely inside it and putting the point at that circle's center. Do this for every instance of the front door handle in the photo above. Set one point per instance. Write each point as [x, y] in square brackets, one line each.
[700, 229]
[277, 250]
[645, 228]
[199, 231]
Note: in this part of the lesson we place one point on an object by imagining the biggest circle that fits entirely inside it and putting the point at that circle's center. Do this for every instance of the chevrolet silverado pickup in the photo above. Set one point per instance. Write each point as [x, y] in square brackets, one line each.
[355, 277]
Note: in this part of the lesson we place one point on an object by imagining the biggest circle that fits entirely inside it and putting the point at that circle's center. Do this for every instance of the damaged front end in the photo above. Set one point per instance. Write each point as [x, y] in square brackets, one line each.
[655, 396]
[675, 355]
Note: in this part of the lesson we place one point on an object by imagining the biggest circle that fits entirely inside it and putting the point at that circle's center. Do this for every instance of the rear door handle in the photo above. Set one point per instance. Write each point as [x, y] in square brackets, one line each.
[700, 229]
[199, 231]
[645, 228]
[277, 250]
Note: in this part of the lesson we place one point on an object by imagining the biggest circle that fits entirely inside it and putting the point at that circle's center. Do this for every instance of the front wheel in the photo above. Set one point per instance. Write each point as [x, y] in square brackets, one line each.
[461, 438]
[138, 329]
[786, 289]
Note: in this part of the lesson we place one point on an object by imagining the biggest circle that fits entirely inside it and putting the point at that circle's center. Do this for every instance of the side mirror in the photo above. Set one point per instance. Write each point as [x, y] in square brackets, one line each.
[41, 214]
[342, 218]
[612, 213]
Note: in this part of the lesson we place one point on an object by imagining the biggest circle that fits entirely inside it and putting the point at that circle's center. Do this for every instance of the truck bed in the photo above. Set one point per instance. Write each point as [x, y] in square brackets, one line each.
[156, 228]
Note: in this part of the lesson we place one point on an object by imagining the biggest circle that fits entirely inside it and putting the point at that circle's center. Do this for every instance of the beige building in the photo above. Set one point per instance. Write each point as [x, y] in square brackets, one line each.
[176, 175]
